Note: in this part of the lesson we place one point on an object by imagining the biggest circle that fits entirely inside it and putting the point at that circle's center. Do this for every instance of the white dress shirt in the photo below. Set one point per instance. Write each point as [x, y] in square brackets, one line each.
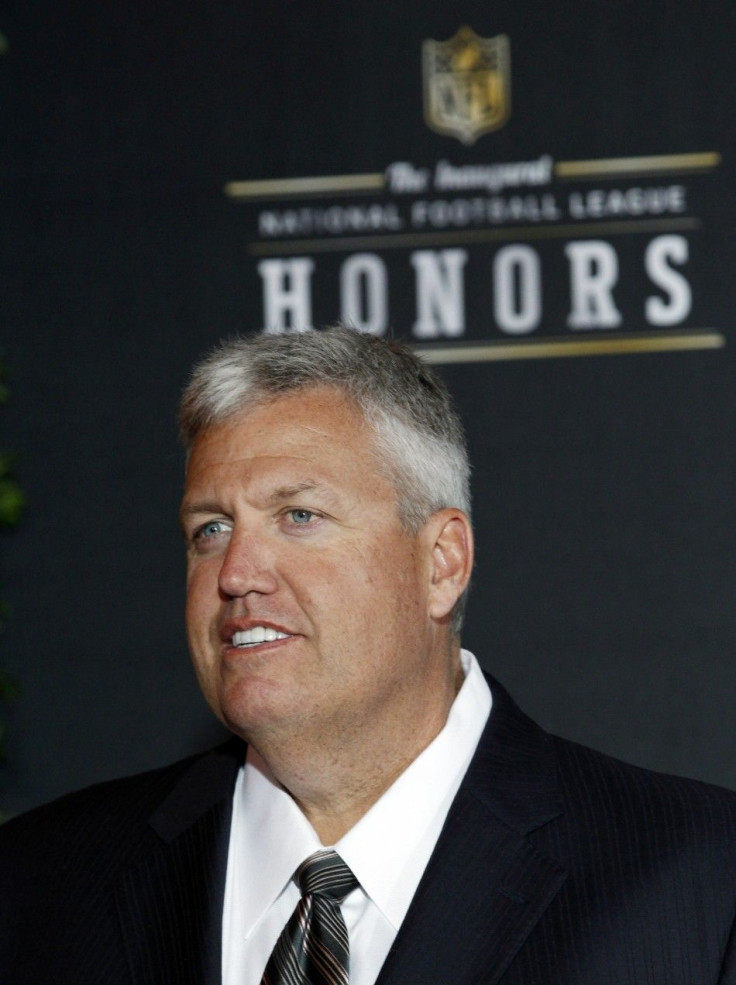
[387, 849]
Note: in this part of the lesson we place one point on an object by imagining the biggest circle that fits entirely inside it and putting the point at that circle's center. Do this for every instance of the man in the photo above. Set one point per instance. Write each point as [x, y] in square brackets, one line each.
[329, 549]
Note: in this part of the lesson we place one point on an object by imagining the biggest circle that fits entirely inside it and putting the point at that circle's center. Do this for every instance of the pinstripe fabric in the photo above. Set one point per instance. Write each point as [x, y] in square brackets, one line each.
[313, 947]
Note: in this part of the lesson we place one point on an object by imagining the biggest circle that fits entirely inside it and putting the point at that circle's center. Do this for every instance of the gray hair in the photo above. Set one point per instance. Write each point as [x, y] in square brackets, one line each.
[419, 438]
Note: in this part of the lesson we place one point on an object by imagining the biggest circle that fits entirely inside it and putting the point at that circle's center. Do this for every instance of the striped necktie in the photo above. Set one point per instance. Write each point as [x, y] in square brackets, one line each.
[313, 947]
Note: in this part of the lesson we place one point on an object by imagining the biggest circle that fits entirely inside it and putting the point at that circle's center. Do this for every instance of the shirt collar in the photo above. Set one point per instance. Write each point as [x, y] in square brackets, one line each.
[389, 847]
[274, 838]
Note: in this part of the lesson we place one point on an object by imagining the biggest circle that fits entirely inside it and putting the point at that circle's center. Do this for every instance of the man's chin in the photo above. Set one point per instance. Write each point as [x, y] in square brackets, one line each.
[253, 711]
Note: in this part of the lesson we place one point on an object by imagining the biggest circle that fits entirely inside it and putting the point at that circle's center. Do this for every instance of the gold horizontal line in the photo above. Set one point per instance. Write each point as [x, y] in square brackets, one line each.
[376, 181]
[317, 185]
[655, 164]
[557, 348]
[468, 236]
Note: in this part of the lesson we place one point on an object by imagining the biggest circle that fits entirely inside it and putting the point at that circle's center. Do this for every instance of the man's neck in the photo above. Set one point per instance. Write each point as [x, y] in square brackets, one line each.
[335, 783]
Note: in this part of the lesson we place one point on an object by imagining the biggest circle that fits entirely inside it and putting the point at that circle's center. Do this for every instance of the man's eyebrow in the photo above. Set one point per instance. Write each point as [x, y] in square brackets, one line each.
[286, 492]
[201, 506]
[279, 495]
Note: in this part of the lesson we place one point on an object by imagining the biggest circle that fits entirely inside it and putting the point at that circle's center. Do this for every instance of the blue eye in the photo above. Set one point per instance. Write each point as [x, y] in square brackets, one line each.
[301, 517]
[211, 529]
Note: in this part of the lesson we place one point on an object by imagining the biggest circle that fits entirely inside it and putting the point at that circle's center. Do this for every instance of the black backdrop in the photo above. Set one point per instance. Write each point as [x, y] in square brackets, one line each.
[596, 381]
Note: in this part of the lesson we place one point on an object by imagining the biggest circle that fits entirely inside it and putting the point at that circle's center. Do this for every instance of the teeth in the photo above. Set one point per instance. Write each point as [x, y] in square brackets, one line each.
[258, 634]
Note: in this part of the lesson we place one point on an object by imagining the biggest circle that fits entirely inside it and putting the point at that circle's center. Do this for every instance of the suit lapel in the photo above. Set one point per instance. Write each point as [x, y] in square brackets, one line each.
[170, 901]
[486, 884]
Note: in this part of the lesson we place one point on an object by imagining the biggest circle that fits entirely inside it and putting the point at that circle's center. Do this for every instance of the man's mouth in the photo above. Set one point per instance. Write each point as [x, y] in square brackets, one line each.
[257, 634]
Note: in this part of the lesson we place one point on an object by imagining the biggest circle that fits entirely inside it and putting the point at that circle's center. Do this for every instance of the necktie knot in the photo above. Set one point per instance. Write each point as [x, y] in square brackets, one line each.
[325, 874]
[314, 948]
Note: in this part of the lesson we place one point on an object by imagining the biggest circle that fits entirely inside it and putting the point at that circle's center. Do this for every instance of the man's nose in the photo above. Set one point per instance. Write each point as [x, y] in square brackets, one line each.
[247, 566]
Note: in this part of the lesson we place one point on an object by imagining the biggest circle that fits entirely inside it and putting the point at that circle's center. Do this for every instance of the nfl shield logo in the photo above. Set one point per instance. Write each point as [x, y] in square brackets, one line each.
[467, 84]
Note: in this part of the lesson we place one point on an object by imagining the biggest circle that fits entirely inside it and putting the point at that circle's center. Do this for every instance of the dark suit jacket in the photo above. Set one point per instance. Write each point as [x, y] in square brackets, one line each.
[556, 865]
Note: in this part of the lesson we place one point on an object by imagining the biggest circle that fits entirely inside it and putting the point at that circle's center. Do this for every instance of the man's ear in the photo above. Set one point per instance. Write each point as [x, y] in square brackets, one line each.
[451, 544]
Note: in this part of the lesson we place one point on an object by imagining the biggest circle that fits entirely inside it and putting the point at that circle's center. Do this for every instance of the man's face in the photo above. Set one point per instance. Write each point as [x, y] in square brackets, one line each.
[308, 606]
